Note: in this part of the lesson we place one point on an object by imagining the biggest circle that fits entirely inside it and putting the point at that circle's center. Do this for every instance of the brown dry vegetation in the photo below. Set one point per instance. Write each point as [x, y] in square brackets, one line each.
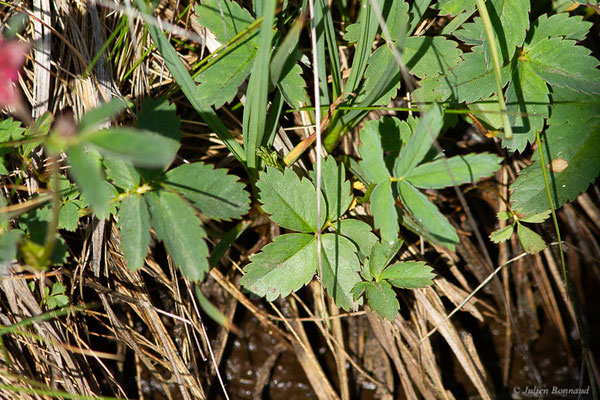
[144, 334]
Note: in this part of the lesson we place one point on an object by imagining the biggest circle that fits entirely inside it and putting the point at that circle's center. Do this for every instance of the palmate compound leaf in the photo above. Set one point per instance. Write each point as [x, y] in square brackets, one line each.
[176, 224]
[134, 226]
[290, 262]
[335, 188]
[427, 215]
[409, 274]
[282, 267]
[213, 192]
[544, 60]
[454, 171]
[382, 299]
[289, 200]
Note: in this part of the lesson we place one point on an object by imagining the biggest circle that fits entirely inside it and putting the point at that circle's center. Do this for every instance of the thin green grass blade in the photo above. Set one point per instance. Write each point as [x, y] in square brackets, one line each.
[321, 64]
[491, 38]
[332, 48]
[368, 29]
[255, 112]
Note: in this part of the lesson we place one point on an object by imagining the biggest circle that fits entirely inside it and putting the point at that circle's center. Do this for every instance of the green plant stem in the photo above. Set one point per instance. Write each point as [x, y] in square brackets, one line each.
[554, 219]
[53, 225]
[491, 38]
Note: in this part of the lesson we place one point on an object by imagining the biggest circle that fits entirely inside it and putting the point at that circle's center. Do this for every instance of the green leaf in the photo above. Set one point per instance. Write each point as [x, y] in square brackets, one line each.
[35, 224]
[527, 104]
[397, 19]
[216, 194]
[383, 208]
[428, 56]
[569, 106]
[427, 215]
[537, 218]
[134, 226]
[510, 21]
[503, 234]
[8, 247]
[68, 216]
[372, 153]
[176, 224]
[471, 80]
[530, 241]
[382, 299]
[10, 130]
[121, 173]
[220, 81]
[159, 116]
[409, 274]
[454, 170]
[104, 112]
[577, 148]
[224, 18]
[420, 142]
[559, 25]
[143, 148]
[562, 63]
[424, 56]
[292, 85]
[88, 176]
[359, 289]
[57, 288]
[381, 255]
[282, 267]
[358, 232]
[290, 201]
[504, 215]
[340, 269]
[335, 188]
[455, 7]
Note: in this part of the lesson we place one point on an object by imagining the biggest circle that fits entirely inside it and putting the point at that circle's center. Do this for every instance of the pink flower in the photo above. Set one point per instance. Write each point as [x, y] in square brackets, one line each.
[12, 58]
